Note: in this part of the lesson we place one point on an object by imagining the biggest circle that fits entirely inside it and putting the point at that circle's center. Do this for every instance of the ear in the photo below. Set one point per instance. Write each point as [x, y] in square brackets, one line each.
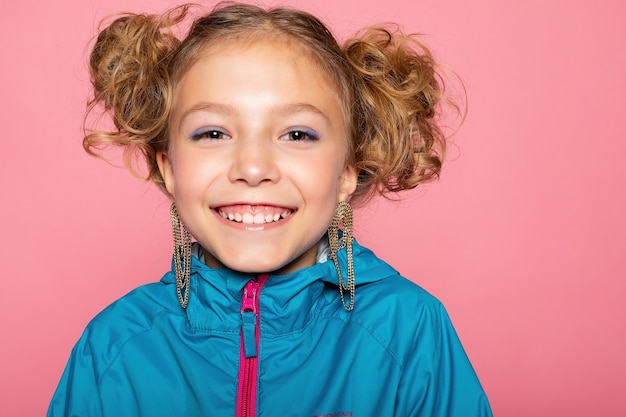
[167, 172]
[347, 184]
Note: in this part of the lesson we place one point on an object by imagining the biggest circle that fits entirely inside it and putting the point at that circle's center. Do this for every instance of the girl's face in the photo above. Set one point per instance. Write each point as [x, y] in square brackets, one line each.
[256, 162]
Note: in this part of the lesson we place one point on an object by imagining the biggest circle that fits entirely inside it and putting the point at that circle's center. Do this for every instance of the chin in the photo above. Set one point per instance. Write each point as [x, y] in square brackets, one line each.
[255, 269]
[264, 260]
[262, 266]
[253, 266]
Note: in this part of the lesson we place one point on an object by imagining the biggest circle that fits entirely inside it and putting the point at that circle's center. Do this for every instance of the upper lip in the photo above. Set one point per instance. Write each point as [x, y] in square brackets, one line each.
[247, 203]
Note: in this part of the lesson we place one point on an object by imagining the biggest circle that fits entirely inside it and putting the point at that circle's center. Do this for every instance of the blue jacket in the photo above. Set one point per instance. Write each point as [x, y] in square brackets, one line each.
[395, 354]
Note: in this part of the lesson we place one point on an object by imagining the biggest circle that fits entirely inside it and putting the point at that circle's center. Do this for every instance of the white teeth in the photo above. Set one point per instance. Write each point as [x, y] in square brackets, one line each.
[259, 218]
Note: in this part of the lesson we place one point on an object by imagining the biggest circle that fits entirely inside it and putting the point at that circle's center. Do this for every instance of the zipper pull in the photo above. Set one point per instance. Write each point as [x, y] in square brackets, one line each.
[248, 319]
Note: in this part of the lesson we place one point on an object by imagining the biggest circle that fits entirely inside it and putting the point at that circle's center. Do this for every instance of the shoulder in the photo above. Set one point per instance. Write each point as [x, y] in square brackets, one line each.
[401, 315]
[137, 309]
[383, 288]
[125, 319]
[400, 304]
[413, 326]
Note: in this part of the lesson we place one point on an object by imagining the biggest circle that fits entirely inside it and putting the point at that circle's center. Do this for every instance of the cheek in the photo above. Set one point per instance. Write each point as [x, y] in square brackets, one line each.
[318, 178]
[192, 173]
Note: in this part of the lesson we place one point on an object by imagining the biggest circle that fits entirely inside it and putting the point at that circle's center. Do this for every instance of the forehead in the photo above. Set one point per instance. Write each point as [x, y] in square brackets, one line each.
[238, 70]
[246, 43]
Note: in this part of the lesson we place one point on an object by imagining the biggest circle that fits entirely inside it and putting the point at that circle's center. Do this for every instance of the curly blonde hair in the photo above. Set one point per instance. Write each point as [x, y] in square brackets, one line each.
[389, 83]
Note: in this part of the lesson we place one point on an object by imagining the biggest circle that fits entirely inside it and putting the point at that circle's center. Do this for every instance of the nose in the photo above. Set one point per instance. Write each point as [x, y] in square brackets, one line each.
[254, 162]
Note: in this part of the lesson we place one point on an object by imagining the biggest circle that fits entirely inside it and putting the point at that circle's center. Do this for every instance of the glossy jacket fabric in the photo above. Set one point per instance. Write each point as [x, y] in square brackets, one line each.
[395, 354]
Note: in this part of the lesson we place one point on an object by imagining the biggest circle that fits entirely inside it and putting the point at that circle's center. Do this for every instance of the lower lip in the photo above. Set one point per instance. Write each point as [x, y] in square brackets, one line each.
[253, 227]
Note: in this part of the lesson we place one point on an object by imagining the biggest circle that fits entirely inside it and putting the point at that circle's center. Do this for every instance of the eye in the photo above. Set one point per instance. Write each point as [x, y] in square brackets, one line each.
[300, 134]
[209, 132]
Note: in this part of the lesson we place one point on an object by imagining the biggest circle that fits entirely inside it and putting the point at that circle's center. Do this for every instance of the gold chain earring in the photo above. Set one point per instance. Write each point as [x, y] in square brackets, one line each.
[343, 217]
[182, 256]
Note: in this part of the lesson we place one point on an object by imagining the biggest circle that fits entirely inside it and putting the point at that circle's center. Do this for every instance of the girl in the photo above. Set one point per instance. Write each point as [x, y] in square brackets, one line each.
[263, 130]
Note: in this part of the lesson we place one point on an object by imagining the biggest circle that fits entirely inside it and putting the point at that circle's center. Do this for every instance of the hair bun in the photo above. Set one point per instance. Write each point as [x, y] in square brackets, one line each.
[131, 84]
[400, 145]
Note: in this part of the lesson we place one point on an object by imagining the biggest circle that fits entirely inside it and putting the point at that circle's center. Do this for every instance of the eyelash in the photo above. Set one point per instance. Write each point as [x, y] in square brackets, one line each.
[307, 134]
[212, 133]
[208, 133]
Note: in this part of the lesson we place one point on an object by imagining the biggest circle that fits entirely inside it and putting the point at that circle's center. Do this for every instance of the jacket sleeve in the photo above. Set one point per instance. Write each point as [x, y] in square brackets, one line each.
[77, 393]
[438, 379]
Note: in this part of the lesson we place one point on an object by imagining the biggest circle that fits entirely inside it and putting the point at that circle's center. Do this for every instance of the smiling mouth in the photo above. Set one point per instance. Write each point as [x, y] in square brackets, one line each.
[249, 214]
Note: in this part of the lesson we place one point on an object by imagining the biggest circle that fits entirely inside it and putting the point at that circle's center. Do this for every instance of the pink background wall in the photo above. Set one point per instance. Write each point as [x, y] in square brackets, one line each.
[523, 238]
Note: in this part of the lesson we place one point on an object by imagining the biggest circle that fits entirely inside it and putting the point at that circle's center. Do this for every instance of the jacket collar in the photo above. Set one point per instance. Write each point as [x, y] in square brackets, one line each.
[291, 300]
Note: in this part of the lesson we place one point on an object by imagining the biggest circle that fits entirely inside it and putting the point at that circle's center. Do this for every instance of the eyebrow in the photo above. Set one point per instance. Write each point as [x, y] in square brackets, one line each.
[293, 108]
[225, 109]
[204, 106]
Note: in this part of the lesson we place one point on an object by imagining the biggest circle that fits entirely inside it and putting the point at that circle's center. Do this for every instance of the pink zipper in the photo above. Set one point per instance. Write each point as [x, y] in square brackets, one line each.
[248, 358]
